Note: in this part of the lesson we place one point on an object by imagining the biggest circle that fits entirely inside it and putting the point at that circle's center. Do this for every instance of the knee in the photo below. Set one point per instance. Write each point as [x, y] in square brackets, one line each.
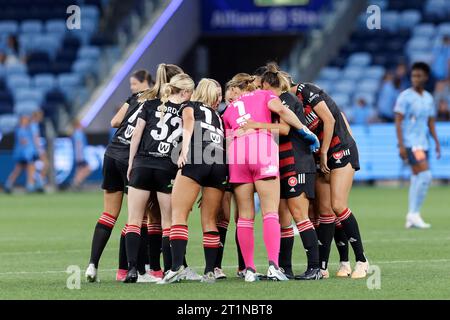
[338, 207]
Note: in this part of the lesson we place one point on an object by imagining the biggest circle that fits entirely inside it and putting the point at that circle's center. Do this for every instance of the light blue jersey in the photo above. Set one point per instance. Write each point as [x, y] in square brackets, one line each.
[417, 110]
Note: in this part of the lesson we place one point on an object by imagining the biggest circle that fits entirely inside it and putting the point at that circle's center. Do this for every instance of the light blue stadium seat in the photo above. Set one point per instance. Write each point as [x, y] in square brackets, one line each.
[359, 59]
[47, 43]
[26, 42]
[26, 107]
[345, 87]
[89, 52]
[352, 73]
[368, 85]
[438, 7]
[390, 20]
[68, 79]
[9, 27]
[83, 67]
[424, 30]
[330, 73]
[374, 72]
[44, 81]
[31, 94]
[325, 85]
[8, 123]
[17, 68]
[418, 44]
[56, 26]
[18, 81]
[383, 4]
[90, 11]
[423, 56]
[444, 29]
[31, 26]
[367, 96]
[341, 99]
[409, 19]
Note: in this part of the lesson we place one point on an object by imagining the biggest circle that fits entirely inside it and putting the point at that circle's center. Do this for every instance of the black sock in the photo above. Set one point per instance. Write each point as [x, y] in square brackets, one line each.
[286, 246]
[102, 232]
[123, 263]
[310, 242]
[132, 242]
[240, 257]
[184, 260]
[143, 250]
[154, 246]
[166, 251]
[178, 244]
[351, 229]
[223, 228]
[211, 245]
[325, 235]
[341, 240]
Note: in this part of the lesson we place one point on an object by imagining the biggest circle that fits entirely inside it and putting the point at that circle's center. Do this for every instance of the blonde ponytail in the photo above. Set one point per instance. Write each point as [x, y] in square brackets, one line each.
[177, 84]
[206, 92]
[164, 74]
[243, 81]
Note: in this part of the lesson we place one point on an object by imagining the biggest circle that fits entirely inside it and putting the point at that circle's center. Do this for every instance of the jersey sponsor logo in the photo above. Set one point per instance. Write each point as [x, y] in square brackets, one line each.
[301, 178]
[269, 170]
[292, 190]
[312, 120]
[312, 96]
[216, 138]
[292, 181]
[163, 147]
[129, 132]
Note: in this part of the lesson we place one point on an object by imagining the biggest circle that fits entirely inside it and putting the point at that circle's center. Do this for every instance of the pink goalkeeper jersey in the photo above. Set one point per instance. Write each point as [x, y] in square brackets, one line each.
[253, 105]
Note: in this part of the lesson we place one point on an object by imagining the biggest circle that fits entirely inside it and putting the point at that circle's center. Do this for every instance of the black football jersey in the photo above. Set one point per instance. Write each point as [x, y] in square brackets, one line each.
[119, 146]
[295, 155]
[159, 147]
[311, 95]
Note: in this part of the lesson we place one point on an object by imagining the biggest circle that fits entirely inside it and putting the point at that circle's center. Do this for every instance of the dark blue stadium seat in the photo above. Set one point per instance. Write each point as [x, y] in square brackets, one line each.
[61, 67]
[66, 55]
[55, 96]
[6, 97]
[38, 57]
[37, 67]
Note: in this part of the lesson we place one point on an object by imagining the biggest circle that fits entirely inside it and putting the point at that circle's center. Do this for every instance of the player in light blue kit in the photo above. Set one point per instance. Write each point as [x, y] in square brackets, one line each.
[415, 121]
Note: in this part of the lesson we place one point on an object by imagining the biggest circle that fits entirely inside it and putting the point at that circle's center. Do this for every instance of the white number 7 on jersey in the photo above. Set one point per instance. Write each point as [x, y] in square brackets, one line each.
[244, 116]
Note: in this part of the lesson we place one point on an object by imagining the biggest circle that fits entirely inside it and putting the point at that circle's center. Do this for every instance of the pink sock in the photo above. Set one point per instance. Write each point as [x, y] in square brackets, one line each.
[246, 241]
[272, 236]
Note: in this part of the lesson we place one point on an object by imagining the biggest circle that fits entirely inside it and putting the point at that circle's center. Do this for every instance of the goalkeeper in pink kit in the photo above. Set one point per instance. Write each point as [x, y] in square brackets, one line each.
[253, 164]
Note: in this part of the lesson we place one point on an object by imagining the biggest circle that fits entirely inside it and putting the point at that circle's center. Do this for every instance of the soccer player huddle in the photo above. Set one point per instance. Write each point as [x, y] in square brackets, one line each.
[288, 142]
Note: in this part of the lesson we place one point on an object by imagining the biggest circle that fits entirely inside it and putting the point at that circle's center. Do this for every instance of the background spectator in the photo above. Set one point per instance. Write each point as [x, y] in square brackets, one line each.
[390, 89]
[441, 59]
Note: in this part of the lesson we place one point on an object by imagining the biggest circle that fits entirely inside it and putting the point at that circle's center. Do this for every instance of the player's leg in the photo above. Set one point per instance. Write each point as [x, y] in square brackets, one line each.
[31, 170]
[185, 192]
[287, 239]
[13, 177]
[299, 208]
[341, 180]
[223, 220]
[421, 179]
[243, 194]
[269, 195]
[212, 200]
[341, 241]
[82, 172]
[137, 204]
[154, 231]
[112, 203]
[325, 231]
[241, 263]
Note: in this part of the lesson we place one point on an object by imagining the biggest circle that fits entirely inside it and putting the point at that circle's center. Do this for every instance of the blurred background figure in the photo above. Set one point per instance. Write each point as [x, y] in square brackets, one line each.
[441, 59]
[140, 81]
[82, 170]
[40, 155]
[390, 89]
[443, 112]
[361, 113]
[23, 155]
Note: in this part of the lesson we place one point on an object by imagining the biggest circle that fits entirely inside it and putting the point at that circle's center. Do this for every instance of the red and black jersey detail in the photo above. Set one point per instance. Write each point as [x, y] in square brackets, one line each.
[294, 153]
[311, 95]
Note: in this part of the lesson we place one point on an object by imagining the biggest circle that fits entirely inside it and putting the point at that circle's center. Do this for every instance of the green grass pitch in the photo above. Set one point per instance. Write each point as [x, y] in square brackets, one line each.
[40, 236]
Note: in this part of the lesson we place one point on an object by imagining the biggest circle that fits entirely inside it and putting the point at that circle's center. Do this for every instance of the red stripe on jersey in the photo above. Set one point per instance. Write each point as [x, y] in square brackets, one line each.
[335, 141]
[286, 146]
[286, 162]
[288, 174]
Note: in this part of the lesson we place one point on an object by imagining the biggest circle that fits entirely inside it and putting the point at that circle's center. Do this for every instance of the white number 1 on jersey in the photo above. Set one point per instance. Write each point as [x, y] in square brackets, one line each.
[243, 115]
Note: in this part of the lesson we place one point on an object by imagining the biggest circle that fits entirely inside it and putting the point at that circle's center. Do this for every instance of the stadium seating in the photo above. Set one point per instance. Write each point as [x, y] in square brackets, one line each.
[408, 30]
[57, 59]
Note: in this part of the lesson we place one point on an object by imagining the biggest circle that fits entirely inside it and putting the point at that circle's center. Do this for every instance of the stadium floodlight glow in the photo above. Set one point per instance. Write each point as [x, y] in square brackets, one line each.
[131, 61]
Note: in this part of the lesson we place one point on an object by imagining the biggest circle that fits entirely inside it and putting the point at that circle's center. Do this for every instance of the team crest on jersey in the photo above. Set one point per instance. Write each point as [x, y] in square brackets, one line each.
[338, 156]
[292, 181]
[163, 147]
[129, 132]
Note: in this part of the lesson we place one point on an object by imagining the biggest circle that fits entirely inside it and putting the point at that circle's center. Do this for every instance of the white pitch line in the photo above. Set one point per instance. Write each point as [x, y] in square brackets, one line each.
[234, 267]
[41, 252]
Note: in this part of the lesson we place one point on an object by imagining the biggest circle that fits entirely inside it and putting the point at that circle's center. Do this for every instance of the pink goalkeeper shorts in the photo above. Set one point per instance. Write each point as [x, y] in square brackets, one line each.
[253, 157]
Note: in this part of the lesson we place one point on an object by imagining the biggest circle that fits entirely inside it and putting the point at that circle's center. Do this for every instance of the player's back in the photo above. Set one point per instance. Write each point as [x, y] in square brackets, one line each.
[253, 105]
